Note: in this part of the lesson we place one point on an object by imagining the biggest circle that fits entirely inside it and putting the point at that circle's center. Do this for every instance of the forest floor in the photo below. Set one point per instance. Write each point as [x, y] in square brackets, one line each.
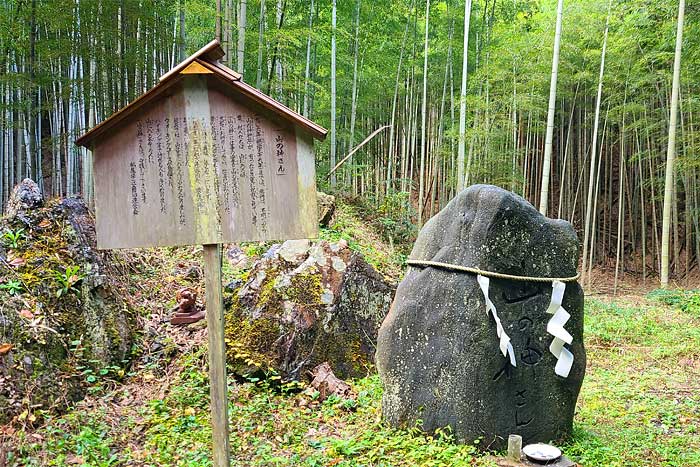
[639, 405]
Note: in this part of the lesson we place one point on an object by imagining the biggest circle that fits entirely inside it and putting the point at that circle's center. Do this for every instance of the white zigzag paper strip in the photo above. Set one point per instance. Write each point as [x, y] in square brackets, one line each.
[555, 327]
[504, 341]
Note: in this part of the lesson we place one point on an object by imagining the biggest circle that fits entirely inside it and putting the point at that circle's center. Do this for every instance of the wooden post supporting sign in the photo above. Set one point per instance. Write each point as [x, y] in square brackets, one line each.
[218, 388]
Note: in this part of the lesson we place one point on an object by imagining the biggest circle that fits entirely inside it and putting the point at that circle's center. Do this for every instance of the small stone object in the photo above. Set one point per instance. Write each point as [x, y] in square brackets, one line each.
[26, 195]
[327, 383]
[189, 272]
[187, 310]
[515, 447]
[233, 285]
[292, 251]
[236, 257]
[439, 355]
[326, 208]
[562, 461]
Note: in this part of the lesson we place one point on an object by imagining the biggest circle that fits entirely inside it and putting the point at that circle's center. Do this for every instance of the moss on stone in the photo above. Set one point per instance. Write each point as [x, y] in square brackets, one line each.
[250, 341]
[281, 319]
[88, 313]
[268, 297]
[305, 288]
[345, 349]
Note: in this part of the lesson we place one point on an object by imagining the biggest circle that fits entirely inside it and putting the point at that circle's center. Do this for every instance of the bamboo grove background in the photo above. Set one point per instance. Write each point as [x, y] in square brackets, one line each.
[67, 65]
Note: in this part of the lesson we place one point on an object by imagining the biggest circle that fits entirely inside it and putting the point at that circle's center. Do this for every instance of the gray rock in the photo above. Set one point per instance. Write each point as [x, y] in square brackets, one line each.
[189, 272]
[233, 285]
[326, 208]
[293, 250]
[303, 304]
[437, 350]
[56, 337]
[272, 251]
[236, 257]
[26, 195]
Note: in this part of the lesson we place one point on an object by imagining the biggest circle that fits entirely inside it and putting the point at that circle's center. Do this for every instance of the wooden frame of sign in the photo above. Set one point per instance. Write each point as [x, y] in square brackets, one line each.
[203, 158]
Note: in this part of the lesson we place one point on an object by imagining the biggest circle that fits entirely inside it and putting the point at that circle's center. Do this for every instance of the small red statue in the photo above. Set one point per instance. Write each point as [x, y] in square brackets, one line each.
[187, 310]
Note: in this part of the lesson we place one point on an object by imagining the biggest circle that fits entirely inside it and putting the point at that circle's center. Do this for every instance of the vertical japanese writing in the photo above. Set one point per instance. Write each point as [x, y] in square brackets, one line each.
[250, 135]
[180, 168]
[161, 165]
[149, 137]
[262, 170]
[194, 152]
[142, 161]
[224, 194]
[169, 152]
[235, 198]
[279, 154]
[134, 189]
[520, 407]
[242, 158]
[530, 356]
[207, 171]
[212, 166]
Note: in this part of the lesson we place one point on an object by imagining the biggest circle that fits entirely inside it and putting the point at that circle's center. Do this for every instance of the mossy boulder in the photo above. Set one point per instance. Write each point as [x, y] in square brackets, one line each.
[303, 304]
[61, 320]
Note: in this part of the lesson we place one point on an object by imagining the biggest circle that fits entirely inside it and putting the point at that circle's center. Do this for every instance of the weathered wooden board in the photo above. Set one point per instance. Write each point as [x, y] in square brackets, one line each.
[201, 166]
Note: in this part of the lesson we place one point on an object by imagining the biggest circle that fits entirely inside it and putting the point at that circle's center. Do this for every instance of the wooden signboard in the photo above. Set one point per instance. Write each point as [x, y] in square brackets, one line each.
[204, 159]
[198, 167]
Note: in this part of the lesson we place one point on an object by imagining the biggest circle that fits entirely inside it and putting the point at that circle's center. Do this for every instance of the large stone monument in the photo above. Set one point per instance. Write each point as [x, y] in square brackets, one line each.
[486, 356]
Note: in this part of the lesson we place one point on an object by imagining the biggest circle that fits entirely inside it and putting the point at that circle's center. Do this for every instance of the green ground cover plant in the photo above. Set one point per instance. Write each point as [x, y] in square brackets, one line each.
[639, 406]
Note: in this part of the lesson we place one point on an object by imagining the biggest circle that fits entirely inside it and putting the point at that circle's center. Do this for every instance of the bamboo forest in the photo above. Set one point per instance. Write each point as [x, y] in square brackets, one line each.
[453, 108]
[534, 143]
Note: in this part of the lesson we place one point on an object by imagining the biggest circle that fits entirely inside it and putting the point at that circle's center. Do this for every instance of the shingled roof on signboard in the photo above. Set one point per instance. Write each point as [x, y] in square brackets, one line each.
[204, 61]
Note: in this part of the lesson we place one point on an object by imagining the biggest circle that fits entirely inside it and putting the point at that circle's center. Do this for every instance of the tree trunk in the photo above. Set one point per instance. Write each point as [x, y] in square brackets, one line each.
[181, 45]
[240, 63]
[353, 106]
[594, 141]
[308, 62]
[620, 199]
[261, 34]
[333, 115]
[463, 99]
[544, 191]
[669, 187]
[421, 175]
[218, 21]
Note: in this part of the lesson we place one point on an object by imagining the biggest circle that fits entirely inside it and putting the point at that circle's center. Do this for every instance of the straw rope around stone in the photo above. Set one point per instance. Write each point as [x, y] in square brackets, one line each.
[495, 275]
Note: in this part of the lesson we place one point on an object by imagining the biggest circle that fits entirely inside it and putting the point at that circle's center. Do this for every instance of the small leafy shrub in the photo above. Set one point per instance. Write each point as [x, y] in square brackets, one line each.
[12, 238]
[13, 287]
[687, 301]
[255, 249]
[68, 280]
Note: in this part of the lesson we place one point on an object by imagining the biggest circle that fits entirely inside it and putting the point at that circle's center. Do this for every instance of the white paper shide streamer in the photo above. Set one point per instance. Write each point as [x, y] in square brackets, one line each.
[555, 327]
[504, 341]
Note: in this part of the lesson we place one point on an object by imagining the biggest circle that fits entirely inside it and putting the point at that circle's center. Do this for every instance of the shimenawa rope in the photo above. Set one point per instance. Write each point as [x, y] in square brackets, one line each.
[555, 326]
[495, 275]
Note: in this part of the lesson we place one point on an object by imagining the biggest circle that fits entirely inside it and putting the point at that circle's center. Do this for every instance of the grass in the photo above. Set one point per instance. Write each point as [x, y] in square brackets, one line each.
[639, 406]
[364, 236]
[640, 401]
